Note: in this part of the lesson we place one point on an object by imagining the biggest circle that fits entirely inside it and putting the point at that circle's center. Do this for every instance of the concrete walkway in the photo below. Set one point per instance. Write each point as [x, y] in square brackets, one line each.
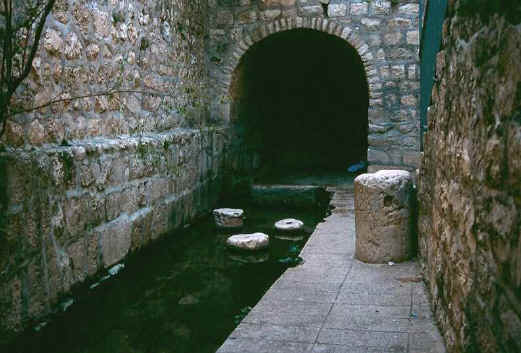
[335, 304]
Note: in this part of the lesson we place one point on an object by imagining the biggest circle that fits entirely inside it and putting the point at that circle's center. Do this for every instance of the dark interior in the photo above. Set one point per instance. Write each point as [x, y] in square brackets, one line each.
[300, 102]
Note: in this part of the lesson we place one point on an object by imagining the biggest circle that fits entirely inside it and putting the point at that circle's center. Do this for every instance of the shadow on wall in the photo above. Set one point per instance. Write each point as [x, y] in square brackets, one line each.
[300, 100]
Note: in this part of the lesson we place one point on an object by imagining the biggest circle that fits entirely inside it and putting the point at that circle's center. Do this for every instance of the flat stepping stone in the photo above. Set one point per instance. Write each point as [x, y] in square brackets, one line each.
[228, 217]
[289, 225]
[250, 242]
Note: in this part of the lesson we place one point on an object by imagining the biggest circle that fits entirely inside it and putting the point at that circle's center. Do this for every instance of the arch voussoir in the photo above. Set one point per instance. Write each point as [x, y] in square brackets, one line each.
[331, 27]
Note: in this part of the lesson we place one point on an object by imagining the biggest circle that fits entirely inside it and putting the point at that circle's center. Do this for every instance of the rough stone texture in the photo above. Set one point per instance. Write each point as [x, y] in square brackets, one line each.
[250, 242]
[470, 184]
[384, 33]
[383, 216]
[228, 217]
[97, 46]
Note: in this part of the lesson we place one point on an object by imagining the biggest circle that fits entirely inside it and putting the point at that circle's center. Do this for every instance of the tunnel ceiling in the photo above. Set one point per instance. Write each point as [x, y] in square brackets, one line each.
[300, 101]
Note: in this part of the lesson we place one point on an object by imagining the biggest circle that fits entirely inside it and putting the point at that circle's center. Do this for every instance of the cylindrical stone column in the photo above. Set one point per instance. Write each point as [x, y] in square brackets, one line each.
[382, 216]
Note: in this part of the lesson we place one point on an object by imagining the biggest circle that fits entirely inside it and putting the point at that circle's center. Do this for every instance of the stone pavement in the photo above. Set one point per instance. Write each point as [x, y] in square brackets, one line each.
[333, 303]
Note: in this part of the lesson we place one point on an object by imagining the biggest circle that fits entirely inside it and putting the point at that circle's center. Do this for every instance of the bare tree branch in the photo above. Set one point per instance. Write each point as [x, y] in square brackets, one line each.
[21, 30]
[35, 44]
[90, 95]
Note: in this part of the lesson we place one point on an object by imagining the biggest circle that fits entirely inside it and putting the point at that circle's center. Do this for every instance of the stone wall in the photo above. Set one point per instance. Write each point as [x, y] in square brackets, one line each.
[470, 183]
[90, 47]
[86, 181]
[385, 33]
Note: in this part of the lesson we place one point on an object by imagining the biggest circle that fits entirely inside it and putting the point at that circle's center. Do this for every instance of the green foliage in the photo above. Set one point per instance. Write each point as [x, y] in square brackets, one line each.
[21, 27]
[485, 9]
[292, 259]
[241, 315]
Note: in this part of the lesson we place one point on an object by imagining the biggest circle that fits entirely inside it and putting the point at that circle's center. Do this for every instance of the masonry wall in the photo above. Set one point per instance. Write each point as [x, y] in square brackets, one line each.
[87, 181]
[470, 182]
[385, 33]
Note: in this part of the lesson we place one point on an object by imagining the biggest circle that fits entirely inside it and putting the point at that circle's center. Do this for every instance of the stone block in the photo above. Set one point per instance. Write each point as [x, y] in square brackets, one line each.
[382, 208]
[248, 16]
[413, 37]
[382, 7]
[359, 9]
[224, 17]
[114, 239]
[392, 38]
[92, 248]
[409, 100]
[337, 10]
[377, 156]
[271, 14]
[141, 227]
[371, 24]
[78, 256]
[400, 22]
[411, 158]
[312, 10]
[409, 9]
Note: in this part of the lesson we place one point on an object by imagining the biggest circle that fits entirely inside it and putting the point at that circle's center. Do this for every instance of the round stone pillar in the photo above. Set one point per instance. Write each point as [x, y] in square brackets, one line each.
[382, 216]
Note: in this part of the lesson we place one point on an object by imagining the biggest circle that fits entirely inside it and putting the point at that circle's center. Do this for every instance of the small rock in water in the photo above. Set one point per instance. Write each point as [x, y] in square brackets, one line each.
[254, 241]
[289, 225]
[188, 300]
[94, 285]
[41, 325]
[228, 217]
[114, 270]
[66, 304]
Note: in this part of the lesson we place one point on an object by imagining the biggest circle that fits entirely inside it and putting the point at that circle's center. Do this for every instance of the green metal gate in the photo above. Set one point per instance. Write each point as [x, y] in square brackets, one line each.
[431, 23]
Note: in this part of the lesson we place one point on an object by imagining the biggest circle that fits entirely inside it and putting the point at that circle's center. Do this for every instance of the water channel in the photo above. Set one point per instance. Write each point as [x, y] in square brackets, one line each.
[184, 293]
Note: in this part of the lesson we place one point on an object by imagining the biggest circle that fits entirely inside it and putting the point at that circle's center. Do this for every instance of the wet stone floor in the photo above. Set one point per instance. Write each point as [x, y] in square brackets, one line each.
[333, 303]
[185, 293]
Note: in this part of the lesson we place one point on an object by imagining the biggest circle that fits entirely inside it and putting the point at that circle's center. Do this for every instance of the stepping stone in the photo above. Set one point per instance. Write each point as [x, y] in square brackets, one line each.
[382, 215]
[250, 242]
[228, 217]
[290, 229]
[289, 225]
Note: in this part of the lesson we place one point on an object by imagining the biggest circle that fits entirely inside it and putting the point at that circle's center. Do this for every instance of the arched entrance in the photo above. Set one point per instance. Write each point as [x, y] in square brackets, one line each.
[300, 102]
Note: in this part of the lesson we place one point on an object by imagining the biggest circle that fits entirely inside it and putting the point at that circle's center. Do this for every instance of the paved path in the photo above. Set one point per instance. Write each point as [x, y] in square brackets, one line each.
[335, 304]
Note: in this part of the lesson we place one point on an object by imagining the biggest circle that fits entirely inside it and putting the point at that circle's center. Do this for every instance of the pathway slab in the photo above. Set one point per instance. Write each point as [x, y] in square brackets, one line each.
[333, 303]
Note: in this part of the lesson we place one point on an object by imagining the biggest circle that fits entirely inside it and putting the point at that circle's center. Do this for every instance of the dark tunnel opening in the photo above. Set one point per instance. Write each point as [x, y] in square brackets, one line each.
[300, 102]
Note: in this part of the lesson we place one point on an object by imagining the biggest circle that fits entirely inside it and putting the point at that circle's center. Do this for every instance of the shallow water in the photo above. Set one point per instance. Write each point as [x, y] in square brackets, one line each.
[181, 294]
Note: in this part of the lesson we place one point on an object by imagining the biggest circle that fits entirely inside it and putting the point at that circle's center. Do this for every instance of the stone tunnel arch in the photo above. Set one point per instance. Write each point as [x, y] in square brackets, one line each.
[342, 101]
